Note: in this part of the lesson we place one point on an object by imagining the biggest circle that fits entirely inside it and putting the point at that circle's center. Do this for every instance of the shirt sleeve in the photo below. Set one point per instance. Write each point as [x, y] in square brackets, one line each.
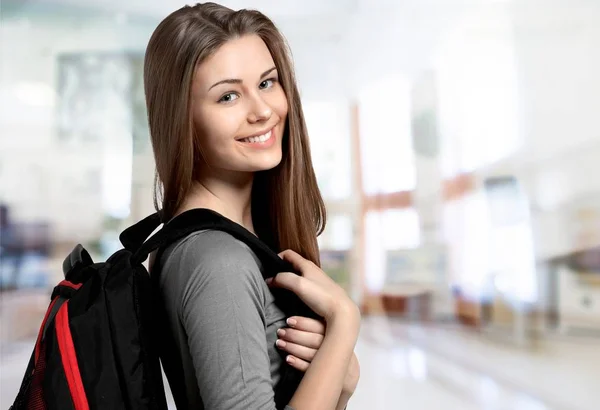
[223, 314]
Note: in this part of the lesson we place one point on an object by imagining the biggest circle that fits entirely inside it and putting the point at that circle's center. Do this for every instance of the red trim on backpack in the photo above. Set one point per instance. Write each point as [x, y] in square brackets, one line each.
[69, 358]
[39, 338]
[72, 285]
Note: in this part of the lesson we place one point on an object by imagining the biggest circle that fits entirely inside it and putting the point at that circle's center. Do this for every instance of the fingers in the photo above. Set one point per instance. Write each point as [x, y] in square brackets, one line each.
[299, 351]
[307, 324]
[305, 267]
[308, 339]
[315, 289]
[286, 280]
[297, 363]
[298, 262]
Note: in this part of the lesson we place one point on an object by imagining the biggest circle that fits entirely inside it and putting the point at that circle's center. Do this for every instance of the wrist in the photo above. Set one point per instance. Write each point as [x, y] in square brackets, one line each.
[347, 313]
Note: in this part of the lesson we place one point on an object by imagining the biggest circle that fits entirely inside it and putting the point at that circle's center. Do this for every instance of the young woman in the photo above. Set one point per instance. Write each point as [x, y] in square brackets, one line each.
[228, 134]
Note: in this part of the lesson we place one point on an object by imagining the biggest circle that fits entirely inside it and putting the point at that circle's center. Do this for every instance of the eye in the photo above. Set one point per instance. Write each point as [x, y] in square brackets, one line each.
[267, 83]
[229, 97]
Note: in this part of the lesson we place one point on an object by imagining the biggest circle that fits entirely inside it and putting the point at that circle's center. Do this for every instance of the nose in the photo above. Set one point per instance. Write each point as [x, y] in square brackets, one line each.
[259, 111]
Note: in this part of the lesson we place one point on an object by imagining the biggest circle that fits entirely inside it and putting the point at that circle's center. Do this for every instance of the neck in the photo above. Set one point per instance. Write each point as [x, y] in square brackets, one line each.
[229, 195]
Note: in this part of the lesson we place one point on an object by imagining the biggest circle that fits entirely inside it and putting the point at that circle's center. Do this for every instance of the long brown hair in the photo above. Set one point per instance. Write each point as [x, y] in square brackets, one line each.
[287, 208]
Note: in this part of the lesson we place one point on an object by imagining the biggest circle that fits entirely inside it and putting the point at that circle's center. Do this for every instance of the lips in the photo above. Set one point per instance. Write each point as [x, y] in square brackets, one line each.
[260, 142]
[259, 138]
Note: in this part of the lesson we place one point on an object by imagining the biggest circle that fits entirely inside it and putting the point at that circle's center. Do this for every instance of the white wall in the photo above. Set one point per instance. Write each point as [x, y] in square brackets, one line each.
[520, 95]
[559, 62]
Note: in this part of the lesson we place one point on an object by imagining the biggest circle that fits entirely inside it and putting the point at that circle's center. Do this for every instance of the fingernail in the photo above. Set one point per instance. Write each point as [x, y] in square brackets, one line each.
[289, 359]
[281, 332]
[269, 280]
[291, 322]
[280, 343]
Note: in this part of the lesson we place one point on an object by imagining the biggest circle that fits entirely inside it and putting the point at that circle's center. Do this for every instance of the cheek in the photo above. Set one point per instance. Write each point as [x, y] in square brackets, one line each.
[281, 106]
[216, 128]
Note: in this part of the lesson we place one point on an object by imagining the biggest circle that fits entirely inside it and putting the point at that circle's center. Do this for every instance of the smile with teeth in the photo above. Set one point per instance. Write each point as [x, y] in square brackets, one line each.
[261, 139]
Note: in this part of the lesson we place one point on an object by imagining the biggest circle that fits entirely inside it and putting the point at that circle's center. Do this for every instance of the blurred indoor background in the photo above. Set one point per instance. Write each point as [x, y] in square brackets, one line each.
[457, 145]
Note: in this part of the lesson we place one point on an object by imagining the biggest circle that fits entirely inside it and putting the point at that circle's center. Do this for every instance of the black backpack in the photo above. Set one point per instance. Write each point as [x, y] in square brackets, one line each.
[99, 346]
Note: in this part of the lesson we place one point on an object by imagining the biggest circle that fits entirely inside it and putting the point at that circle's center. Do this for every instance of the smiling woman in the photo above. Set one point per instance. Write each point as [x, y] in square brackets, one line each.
[226, 76]
[229, 135]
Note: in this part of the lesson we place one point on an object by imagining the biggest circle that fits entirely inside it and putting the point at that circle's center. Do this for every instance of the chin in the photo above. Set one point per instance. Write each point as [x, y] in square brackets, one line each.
[267, 165]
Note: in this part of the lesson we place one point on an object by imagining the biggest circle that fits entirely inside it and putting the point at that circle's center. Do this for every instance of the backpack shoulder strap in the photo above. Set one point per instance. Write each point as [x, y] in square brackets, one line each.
[135, 238]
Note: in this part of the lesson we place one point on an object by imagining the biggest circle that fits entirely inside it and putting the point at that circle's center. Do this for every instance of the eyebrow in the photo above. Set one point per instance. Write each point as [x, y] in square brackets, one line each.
[238, 81]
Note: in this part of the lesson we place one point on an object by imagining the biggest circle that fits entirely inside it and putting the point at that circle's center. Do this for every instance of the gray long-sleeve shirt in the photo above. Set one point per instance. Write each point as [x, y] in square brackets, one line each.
[224, 322]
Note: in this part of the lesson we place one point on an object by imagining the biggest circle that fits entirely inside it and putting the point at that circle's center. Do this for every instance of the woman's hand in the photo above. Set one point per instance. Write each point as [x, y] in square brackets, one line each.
[302, 339]
[317, 290]
[333, 358]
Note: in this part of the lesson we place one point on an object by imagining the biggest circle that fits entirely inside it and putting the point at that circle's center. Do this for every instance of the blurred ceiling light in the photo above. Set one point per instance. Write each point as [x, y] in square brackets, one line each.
[36, 94]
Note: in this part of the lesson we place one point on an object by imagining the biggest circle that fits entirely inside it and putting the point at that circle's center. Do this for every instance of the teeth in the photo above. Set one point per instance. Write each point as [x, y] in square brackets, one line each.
[261, 138]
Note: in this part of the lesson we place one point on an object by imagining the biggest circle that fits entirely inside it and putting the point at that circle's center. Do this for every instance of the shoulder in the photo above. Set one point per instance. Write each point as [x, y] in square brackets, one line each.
[211, 259]
[212, 248]
[210, 268]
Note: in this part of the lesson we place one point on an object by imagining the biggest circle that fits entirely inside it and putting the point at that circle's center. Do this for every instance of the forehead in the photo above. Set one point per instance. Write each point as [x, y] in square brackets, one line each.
[243, 58]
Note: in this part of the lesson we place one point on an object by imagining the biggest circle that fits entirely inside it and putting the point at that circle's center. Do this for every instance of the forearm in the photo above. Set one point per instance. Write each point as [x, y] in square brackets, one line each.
[343, 400]
[321, 386]
[350, 383]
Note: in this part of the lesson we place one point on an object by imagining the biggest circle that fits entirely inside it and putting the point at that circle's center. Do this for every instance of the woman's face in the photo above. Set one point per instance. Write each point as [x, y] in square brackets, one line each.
[239, 108]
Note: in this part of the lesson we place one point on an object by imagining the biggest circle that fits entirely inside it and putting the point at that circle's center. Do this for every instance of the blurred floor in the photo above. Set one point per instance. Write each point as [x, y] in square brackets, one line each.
[417, 367]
